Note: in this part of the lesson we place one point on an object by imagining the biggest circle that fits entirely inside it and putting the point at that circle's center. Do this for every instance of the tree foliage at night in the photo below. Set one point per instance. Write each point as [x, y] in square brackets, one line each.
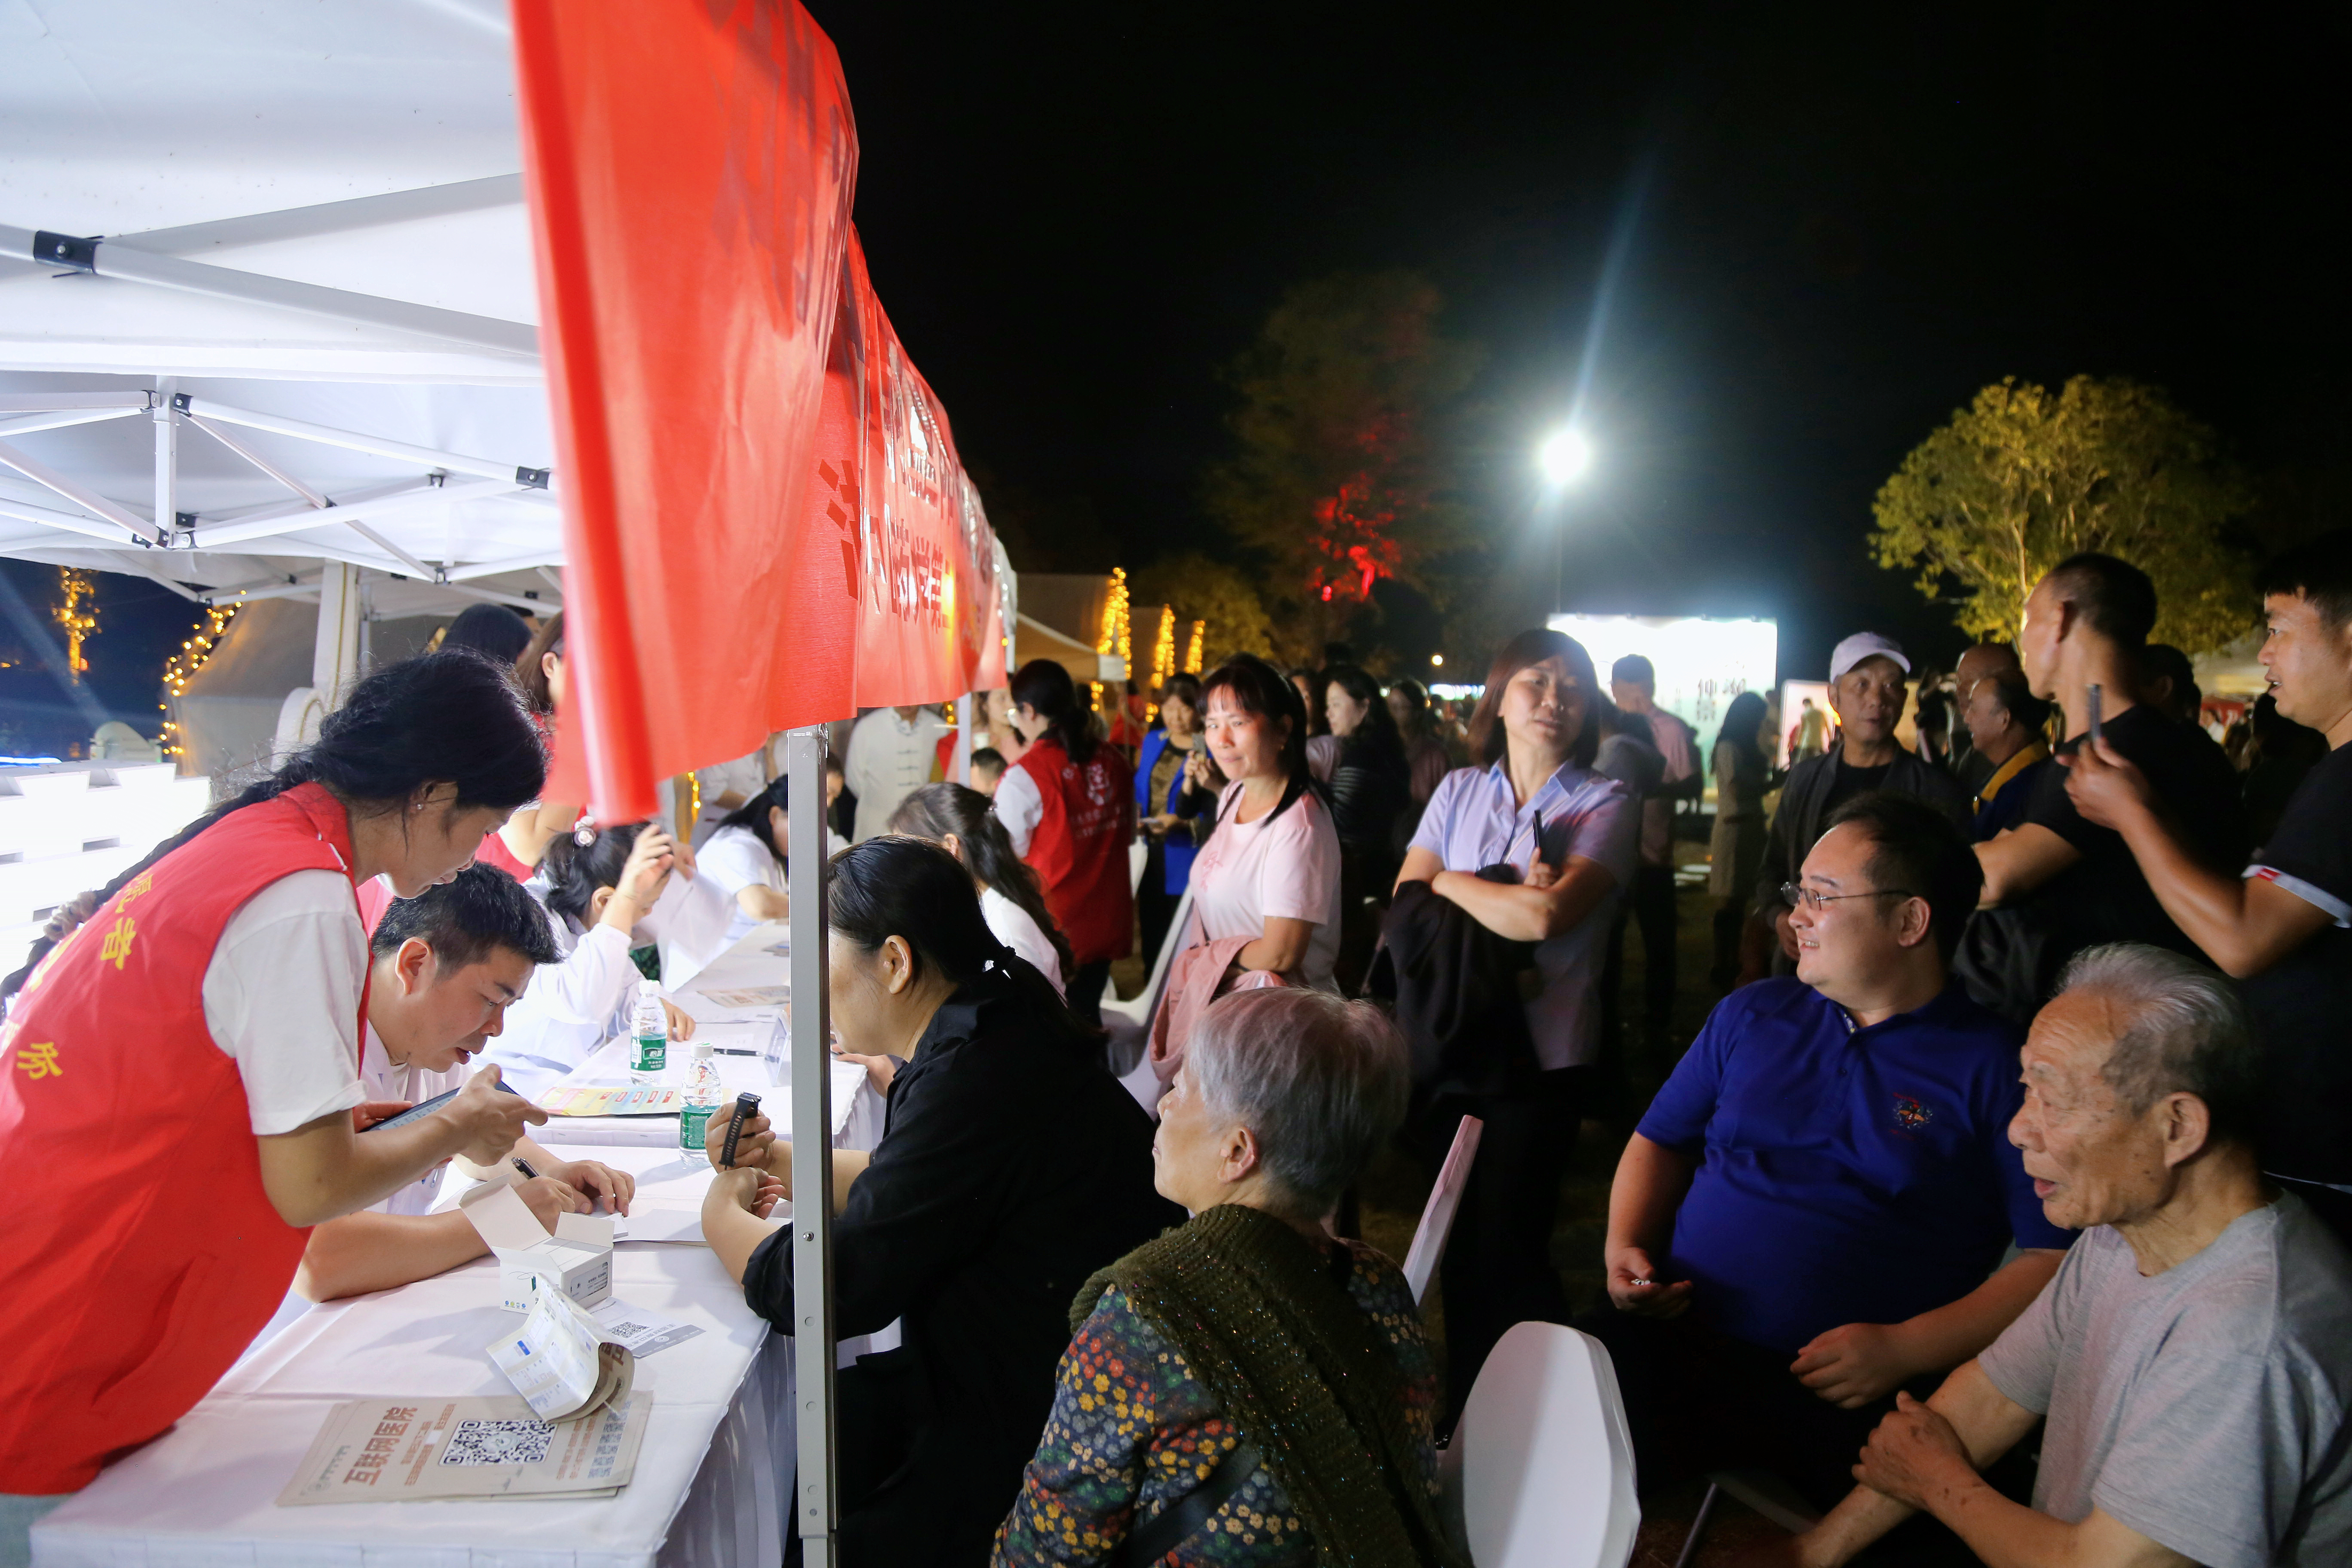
[1217, 592]
[1336, 481]
[2020, 479]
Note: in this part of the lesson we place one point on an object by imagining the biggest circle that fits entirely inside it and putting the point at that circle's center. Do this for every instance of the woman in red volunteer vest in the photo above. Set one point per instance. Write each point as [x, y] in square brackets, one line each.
[1068, 806]
[178, 1078]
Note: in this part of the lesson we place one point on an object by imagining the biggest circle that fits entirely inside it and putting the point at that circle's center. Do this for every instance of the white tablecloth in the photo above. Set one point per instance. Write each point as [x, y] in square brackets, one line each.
[706, 1493]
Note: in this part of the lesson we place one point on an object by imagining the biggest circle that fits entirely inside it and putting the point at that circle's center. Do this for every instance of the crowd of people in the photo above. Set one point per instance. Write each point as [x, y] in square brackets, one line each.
[2024, 1107]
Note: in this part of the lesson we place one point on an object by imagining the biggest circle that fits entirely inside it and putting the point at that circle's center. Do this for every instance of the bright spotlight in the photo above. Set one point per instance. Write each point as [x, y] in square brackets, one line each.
[1564, 456]
[1437, 660]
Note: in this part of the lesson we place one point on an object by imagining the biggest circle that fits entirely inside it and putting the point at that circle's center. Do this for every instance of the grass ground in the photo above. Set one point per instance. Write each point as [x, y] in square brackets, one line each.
[1395, 1190]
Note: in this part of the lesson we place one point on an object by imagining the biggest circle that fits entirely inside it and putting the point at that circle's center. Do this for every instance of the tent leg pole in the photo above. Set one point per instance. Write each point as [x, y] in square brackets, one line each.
[167, 457]
[960, 770]
[815, 1496]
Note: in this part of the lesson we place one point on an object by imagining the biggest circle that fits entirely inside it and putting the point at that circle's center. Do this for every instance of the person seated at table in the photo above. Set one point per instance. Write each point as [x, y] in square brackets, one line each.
[597, 903]
[2189, 1368]
[744, 857]
[444, 967]
[1194, 1420]
[988, 767]
[1811, 1214]
[957, 820]
[1012, 1167]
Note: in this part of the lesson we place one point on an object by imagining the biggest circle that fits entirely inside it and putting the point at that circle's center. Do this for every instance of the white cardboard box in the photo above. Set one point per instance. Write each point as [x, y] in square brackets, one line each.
[575, 1259]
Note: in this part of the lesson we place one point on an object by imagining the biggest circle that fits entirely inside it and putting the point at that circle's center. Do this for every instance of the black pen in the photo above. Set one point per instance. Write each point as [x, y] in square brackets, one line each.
[524, 1166]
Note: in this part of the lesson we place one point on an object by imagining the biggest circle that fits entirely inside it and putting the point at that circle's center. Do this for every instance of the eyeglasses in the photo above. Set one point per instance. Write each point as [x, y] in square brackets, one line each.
[1796, 894]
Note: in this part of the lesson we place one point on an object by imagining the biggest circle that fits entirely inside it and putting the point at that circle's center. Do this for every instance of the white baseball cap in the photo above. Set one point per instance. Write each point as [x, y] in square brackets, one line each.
[1862, 646]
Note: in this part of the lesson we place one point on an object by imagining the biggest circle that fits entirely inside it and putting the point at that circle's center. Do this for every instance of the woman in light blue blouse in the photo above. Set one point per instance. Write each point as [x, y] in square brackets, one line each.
[1533, 803]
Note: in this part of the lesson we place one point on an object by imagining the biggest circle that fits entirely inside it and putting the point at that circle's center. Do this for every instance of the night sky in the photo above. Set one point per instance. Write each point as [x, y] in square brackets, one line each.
[1846, 224]
[1837, 228]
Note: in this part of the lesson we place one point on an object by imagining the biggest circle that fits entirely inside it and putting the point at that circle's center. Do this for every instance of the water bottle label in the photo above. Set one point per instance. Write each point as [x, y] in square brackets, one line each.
[651, 1054]
[693, 1125]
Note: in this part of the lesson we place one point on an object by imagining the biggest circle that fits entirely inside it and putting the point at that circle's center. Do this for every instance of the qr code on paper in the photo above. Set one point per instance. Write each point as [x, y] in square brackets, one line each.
[624, 1330]
[498, 1443]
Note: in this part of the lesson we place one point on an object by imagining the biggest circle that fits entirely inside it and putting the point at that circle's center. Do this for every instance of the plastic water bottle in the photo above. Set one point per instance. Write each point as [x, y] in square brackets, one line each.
[649, 1037]
[704, 1095]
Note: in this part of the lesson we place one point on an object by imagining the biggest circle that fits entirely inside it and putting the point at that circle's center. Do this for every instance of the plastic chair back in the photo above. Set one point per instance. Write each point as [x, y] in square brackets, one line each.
[1541, 1473]
[1437, 1216]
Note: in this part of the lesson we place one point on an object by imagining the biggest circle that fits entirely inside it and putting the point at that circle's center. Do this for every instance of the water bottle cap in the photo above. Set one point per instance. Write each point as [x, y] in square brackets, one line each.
[701, 1051]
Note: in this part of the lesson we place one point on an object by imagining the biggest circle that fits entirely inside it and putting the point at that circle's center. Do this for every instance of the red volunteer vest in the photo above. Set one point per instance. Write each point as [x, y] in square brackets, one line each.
[1079, 850]
[143, 1253]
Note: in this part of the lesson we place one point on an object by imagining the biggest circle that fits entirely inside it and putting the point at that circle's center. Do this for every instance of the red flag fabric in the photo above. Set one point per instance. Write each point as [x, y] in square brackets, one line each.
[765, 521]
[690, 169]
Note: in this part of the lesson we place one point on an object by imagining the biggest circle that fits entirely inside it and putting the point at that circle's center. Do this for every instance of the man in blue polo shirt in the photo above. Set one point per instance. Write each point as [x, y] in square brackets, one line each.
[1814, 1213]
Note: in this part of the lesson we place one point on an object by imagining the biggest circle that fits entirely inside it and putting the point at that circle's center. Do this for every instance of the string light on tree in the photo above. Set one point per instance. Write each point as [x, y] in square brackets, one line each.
[78, 614]
[182, 666]
[1193, 649]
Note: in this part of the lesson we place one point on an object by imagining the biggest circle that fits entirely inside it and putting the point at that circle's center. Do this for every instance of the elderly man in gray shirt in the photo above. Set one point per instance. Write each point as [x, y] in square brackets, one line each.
[2194, 1353]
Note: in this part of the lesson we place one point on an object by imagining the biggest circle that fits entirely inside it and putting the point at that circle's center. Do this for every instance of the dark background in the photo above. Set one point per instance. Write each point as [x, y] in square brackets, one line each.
[1839, 225]
[1848, 222]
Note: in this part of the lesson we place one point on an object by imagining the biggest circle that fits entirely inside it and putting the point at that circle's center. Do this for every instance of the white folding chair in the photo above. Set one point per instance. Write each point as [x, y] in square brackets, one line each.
[1129, 1022]
[1437, 1214]
[1541, 1472]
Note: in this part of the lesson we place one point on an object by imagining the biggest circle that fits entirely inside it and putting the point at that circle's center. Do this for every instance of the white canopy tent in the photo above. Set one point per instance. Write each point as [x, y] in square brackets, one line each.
[303, 360]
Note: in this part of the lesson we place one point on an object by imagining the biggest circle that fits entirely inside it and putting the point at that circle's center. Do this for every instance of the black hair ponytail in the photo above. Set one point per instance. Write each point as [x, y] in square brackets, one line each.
[1049, 692]
[575, 871]
[753, 815]
[442, 718]
[917, 891]
[933, 811]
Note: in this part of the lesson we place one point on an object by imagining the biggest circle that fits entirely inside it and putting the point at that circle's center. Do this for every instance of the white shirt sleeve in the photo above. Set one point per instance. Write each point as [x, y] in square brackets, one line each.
[282, 999]
[735, 859]
[1013, 927]
[1020, 807]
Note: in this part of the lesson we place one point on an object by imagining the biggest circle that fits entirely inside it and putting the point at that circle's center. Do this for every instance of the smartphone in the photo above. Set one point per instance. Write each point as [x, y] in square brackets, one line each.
[2090, 706]
[422, 1107]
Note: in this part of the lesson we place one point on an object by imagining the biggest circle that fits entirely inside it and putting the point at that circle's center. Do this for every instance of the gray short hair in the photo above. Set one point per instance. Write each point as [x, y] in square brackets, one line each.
[2187, 1033]
[1319, 1080]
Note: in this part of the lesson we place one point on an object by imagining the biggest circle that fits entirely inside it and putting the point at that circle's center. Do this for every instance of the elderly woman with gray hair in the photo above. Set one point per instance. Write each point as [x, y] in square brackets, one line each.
[1247, 1389]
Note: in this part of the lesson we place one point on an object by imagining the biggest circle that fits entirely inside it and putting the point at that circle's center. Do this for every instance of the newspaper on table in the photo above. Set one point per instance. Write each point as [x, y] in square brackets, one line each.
[377, 1450]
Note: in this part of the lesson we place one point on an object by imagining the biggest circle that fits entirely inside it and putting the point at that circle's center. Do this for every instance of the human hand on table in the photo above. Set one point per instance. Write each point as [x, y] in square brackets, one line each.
[549, 1197]
[751, 1145]
[594, 1181]
[1854, 1365]
[681, 1022]
[879, 1070]
[491, 1117]
[756, 1192]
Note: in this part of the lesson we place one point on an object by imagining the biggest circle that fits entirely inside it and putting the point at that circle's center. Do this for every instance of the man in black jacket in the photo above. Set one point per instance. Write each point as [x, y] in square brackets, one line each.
[1866, 688]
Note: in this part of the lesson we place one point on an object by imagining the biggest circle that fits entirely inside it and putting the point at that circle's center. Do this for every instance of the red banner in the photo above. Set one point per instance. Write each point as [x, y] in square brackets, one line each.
[765, 525]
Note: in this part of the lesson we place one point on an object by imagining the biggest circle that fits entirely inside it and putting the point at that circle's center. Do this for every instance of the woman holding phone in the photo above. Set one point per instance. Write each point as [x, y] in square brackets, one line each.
[178, 1076]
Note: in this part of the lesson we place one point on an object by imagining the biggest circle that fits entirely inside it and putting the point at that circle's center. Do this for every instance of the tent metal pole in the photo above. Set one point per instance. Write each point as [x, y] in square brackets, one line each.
[237, 444]
[294, 519]
[81, 495]
[960, 768]
[106, 533]
[136, 266]
[302, 429]
[389, 547]
[814, 1494]
[513, 601]
[553, 556]
[167, 454]
[58, 419]
[125, 402]
[272, 591]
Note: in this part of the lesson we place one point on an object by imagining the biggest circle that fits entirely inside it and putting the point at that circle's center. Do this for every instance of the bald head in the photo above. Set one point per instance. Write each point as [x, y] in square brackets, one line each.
[1985, 661]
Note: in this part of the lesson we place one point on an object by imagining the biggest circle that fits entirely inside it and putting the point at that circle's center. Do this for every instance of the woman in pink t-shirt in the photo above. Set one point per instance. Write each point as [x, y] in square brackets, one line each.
[1271, 867]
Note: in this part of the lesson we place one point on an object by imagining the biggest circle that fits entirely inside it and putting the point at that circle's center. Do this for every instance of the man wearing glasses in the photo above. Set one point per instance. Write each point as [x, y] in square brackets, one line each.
[1814, 1212]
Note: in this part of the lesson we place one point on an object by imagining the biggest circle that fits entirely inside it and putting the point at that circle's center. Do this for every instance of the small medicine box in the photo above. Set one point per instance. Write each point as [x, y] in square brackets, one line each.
[575, 1259]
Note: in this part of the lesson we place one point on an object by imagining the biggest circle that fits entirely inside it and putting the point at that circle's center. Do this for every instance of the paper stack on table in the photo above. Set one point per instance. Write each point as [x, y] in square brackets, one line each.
[633, 1099]
[375, 1450]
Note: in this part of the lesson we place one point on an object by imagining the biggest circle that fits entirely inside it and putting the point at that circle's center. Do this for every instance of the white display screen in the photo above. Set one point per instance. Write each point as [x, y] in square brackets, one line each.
[1702, 663]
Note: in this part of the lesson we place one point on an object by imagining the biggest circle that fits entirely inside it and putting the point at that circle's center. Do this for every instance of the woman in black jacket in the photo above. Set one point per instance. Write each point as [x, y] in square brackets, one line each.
[1011, 1167]
[1371, 788]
